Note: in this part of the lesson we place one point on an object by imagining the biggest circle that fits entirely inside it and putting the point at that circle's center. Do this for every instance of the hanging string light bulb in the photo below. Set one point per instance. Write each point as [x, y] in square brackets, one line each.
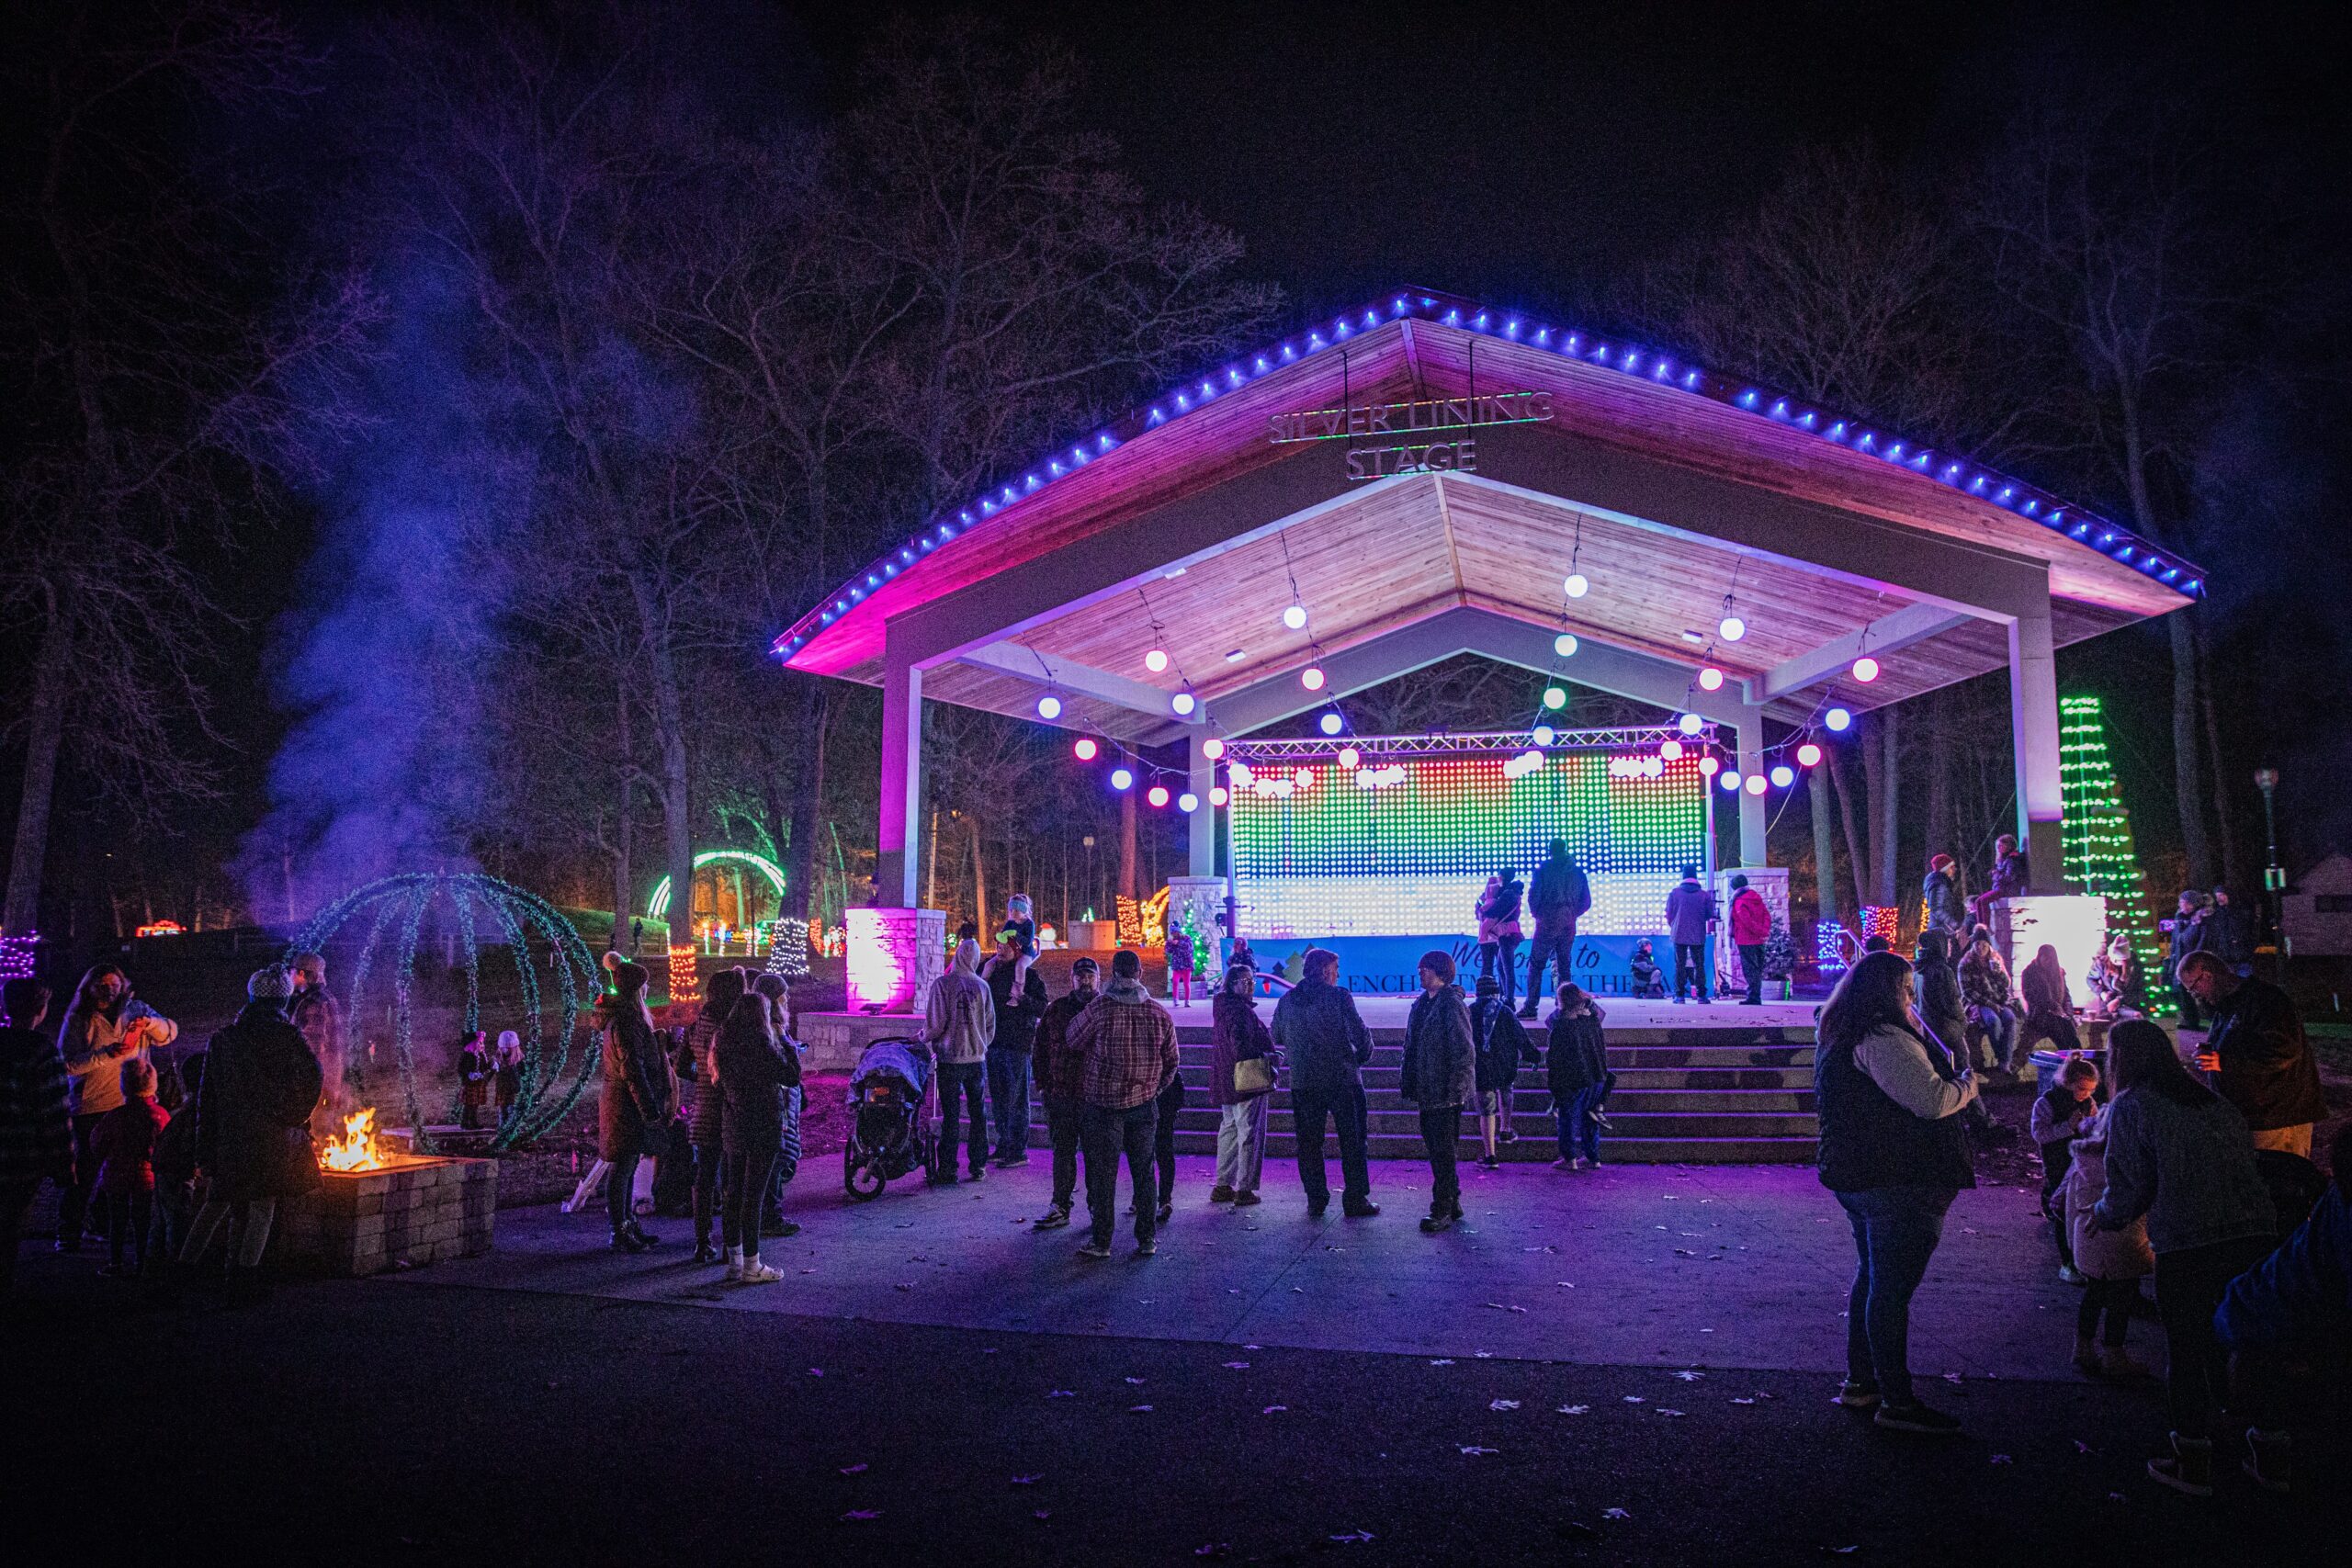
[1350, 757]
[1295, 617]
[1049, 707]
[1709, 766]
[1565, 645]
[1311, 677]
[1213, 748]
[1728, 779]
[1218, 794]
[1188, 803]
[1808, 755]
[1753, 783]
[1121, 779]
[1331, 723]
[1086, 748]
[1784, 775]
[1670, 749]
[1689, 724]
[1183, 703]
[1157, 794]
[1554, 698]
[1156, 660]
[1711, 679]
[1865, 668]
[1837, 719]
[1544, 735]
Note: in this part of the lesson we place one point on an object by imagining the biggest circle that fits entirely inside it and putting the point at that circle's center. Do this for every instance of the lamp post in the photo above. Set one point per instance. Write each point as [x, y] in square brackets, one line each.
[2273, 877]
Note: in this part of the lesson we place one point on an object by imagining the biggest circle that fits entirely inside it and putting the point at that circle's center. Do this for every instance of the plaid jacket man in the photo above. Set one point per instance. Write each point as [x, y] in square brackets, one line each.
[1129, 1044]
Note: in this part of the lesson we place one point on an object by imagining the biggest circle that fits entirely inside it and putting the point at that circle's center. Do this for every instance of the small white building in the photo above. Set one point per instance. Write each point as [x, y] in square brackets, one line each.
[2315, 916]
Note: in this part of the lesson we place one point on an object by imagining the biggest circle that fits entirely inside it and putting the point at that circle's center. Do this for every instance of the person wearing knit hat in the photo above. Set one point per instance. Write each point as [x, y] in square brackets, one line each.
[270, 982]
[1316, 1027]
[1947, 911]
[261, 1080]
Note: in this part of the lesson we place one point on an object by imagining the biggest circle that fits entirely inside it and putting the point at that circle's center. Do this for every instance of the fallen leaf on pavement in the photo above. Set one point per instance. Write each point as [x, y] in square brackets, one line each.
[1027, 1480]
[1475, 1448]
[1502, 1404]
[2002, 1459]
[1615, 1513]
[861, 1514]
[1273, 1409]
[1574, 1409]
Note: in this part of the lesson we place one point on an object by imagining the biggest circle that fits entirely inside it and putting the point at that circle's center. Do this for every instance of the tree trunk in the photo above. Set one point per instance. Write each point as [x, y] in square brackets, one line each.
[980, 875]
[930, 873]
[1886, 795]
[624, 835]
[1127, 843]
[2187, 780]
[2224, 822]
[1941, 839]
[677, 821]
[1825, 845]
[1856, 851]
[44, 731]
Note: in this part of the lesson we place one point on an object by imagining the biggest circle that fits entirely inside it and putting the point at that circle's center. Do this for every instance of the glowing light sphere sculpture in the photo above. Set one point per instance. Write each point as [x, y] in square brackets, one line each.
[394, 908]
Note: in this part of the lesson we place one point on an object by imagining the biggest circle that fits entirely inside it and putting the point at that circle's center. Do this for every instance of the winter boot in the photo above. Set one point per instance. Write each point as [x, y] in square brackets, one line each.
[2188, 1469]
[2270, 1459]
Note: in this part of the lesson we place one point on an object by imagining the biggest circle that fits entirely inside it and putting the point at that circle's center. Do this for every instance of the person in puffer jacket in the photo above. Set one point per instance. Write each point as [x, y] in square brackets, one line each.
[1440, 1074]
[2114, 1262]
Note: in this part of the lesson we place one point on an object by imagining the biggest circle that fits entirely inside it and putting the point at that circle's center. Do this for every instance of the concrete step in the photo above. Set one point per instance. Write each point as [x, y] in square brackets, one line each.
[1192, 1033]
[1754, 1055]
[1533, 1098]
[1405, 1125]
[1531, 1079]
[1529, 1149]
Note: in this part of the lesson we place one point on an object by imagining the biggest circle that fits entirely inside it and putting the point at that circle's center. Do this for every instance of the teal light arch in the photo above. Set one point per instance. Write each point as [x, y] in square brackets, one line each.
[657, 908]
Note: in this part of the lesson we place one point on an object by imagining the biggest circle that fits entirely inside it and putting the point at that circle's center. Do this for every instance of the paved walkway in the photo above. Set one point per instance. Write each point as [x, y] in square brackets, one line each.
[1658, 1264]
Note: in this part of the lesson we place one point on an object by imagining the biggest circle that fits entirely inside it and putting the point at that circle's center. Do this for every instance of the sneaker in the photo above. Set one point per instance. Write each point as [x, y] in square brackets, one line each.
[2187, 1469]
[1220, 1194]
[1362, 1211]
[1563, 1163]
[1856, 1395]
[2268, 1460]
[627, 1241]
[2070, 1275]
[1916, 1418]
[1506, 1136]
[1315, 1207]
[706, 1253]
[1165, 1212]
[1052, 1219]
[755, 1272]
[1580, 1163]
[1600, 1119]
[1147, 1248]
[1243, 1200]
[645, 1238]
[978, 1173]
[1456, 1212]
[1095, 1249]
[777, 1225]
[1436, 1223]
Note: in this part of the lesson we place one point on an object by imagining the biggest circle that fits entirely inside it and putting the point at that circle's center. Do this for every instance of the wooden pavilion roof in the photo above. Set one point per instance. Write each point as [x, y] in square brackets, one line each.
[1375, 557]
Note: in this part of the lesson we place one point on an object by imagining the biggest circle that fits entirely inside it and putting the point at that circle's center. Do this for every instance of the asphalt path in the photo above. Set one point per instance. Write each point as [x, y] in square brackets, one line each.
[415, 1422]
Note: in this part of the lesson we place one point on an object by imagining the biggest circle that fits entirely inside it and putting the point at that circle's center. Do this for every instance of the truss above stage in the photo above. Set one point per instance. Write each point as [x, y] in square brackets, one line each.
[1492, 742]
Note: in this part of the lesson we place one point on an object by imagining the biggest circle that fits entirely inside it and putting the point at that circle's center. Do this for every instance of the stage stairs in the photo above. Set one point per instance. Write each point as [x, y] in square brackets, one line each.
[1720, 1095]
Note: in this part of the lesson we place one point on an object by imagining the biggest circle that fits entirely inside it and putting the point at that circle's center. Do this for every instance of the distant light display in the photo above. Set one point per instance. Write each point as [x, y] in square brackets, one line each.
[1409, 850]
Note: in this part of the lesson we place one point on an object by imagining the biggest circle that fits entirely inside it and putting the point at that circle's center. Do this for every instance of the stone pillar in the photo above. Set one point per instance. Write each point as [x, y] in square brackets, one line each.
[1203, 899]
[2033, 732]
[896, 862]
[895, 953]
[1201, 777]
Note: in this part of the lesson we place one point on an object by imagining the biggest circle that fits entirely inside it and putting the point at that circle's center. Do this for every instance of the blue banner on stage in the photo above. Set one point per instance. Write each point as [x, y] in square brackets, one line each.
[1390, 965]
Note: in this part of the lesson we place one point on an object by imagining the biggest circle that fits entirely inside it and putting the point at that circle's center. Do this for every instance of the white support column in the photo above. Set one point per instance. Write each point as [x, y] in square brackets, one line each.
[1752, 821]
[900, 814]
[2033, 730]
[1200, 776]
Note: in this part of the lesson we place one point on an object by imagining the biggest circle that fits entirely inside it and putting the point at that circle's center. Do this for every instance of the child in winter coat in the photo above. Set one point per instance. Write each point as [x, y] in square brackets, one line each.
[1179, 966]
[1580, 1078]
[474, 1074]
[124, 1143]
[1649, 981]
[1021, 920]
[2068, 1111]
[2112, 1261]
[175, 1161]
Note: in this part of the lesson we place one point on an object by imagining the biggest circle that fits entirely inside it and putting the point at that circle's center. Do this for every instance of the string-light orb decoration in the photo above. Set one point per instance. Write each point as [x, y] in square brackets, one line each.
[1157, 794]
[1183, 703]
[1689, 724]
[1565, 645]
[1670, 749]
[1213, 748]
[1331, 723]
[1839, 719]
[1784, 775]
[1188, 803]
[1122, 778]
[1809, 755]
[1653, 767]
[1865, 668]
[1544, 735]
[1218, 794]
[1350, 757]
[1709, 766]
[1728, 779]
[1711, 679]
[1156, 661]
[1303, 778]
[1296, 616]
[1575, 586]
[1086, 750]
[1311, 677]
[1554, 698]
[1240, 774]
[1753, 783]
[1049, 707]
[1731, 628]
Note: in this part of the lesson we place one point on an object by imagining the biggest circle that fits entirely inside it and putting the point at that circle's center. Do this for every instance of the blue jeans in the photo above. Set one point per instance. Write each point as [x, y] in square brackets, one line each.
[1548, 947]
[960, 1082]
[1008, 1097]
[1896, 1232]
[1577, 1134]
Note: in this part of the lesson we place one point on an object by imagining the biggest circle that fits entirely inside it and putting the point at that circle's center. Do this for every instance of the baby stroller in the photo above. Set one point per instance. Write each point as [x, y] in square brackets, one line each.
[887, 1136]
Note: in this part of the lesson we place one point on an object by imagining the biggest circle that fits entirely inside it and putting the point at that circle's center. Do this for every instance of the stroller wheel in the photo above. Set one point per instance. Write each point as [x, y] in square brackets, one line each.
[862, 1179]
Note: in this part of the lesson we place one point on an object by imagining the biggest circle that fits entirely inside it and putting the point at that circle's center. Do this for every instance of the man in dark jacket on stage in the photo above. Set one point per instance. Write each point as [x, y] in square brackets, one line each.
[1558, 897]
[1317, 1028]
[1690, 918]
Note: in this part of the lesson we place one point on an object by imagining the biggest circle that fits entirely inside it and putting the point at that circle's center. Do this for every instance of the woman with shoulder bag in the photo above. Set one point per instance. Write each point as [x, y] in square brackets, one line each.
[754, 1069]
[1242, 1064]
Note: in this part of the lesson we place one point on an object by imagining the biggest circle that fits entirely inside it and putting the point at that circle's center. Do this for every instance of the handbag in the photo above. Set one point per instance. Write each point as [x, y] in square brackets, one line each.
[1252, 1075]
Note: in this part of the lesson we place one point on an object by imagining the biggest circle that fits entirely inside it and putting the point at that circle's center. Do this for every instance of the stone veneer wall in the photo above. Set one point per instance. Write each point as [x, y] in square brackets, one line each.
[420, 1209]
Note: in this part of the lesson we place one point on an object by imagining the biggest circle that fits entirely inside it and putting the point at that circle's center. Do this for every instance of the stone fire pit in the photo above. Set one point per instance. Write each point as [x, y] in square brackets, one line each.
[414, 1209]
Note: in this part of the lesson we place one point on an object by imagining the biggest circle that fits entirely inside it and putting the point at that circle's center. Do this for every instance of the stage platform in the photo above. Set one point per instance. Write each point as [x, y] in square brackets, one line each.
[1706, 1083]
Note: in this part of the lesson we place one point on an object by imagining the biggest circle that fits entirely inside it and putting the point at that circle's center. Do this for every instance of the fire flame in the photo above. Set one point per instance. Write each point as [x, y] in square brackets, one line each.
[357, 1148]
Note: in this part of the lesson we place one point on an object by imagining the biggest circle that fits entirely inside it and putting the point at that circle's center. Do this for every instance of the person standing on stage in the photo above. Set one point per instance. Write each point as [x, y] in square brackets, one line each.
[1559, 896]
[1689, 916]
[1498, 930]
[1316, 1027]
[1751, 928]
